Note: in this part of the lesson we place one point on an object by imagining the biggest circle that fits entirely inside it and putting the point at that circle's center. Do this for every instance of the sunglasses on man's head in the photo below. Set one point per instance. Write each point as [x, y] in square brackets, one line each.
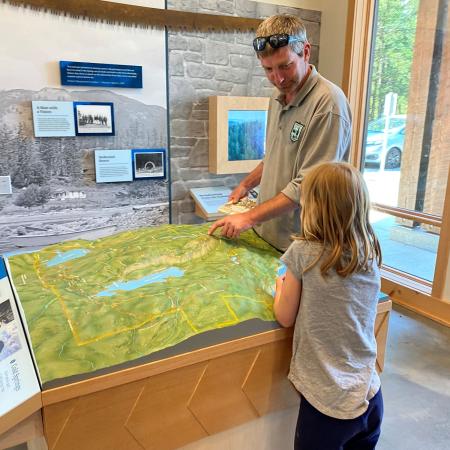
[275, 41]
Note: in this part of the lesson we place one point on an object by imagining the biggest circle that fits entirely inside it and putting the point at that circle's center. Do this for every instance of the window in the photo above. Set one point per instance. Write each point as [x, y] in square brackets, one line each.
[397, 81]
[401, 157]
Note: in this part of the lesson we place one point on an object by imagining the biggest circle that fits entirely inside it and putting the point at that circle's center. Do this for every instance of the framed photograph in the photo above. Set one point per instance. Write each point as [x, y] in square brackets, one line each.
[237, 133]
[149, 163]
[94, 119]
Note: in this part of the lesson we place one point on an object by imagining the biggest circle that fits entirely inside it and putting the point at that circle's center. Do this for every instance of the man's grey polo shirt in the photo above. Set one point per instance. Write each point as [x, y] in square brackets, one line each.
[313, 128]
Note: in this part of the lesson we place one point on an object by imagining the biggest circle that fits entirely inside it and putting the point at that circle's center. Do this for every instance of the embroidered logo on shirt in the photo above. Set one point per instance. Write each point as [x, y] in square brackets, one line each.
[296, 131]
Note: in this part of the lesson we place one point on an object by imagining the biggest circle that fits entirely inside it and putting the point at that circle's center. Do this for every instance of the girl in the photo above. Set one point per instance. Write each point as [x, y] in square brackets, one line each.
[330, 291]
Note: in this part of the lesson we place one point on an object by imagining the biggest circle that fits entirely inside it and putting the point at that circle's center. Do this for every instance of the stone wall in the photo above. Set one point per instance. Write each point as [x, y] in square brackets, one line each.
[206, 64]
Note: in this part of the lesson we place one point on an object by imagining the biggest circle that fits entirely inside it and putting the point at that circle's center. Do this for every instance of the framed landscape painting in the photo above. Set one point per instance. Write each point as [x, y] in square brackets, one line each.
[237, 133]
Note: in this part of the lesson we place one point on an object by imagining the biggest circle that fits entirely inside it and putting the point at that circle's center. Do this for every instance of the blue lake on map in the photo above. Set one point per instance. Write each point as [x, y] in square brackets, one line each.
[67, 256]
[134, 284]
[281, 270]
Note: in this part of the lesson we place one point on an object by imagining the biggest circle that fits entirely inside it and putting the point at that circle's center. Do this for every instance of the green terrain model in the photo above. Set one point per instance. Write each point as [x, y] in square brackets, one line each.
[94, 304]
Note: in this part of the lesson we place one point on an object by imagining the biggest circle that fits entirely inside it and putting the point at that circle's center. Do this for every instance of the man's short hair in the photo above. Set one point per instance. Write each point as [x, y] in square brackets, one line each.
[279, 24]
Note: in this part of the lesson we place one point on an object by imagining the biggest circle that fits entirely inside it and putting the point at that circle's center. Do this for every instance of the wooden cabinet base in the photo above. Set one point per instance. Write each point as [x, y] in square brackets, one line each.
[170, 409]
[28, 430]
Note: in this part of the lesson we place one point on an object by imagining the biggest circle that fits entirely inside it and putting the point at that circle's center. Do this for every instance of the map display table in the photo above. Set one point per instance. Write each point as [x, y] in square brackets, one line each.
[156, 337]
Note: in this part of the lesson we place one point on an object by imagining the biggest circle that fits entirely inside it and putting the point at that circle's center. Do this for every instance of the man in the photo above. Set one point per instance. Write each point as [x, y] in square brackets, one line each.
[309, 121]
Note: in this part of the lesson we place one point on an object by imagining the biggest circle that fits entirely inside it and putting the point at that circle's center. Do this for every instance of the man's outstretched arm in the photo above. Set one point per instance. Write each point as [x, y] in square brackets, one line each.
[235, 224]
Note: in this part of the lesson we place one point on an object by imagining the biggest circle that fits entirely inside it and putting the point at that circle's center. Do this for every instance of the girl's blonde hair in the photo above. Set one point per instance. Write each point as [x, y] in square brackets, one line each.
[335, 212]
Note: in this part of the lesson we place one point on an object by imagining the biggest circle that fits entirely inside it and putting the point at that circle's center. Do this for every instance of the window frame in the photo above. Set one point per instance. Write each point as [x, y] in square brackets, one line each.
[426, 298]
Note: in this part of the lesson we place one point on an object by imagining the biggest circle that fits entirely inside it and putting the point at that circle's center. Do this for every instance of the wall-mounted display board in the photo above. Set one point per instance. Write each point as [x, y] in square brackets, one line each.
[19, 386]
[112, 166]
[53, 119]
[237, 133]
[68, 119]
[75, 73]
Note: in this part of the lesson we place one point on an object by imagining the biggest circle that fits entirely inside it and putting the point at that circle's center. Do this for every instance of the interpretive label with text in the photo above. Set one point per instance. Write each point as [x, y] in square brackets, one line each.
[102, 75]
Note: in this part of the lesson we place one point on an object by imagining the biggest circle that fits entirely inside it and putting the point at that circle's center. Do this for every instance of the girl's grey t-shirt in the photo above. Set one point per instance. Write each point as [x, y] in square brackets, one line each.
[334, 346]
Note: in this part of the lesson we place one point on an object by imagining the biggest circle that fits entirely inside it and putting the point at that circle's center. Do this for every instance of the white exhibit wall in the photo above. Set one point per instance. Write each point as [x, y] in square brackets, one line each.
[54, 192]
[332, 33]
[32, 54]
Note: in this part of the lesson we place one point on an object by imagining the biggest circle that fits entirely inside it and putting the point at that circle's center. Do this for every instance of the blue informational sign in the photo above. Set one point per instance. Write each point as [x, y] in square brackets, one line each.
[100, 75]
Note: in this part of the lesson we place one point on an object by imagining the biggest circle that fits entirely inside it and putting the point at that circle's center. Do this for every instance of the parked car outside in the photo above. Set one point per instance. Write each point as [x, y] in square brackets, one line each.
[392, 154]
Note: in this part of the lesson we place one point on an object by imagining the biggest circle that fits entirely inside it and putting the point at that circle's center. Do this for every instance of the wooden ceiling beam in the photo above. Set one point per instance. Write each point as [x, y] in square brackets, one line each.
[142, 16]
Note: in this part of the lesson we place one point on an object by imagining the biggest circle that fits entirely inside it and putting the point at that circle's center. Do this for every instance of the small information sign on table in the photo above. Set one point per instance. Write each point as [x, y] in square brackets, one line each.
[208, 200]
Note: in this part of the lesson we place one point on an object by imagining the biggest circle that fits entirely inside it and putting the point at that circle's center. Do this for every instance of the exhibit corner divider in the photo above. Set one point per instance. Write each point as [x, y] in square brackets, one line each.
[20, 390]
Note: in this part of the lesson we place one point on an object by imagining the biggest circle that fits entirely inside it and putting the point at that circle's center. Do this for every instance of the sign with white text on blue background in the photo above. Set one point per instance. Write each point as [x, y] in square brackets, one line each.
[100, 75]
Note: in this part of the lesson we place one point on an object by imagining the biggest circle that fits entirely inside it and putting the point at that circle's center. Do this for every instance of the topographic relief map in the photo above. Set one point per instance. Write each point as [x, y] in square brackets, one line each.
[94, 304]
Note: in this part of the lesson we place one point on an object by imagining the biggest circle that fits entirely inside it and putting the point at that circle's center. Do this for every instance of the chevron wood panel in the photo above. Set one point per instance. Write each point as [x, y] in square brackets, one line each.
[55, 418]
[381, 330]
[267, 386]
[160, 419]
[219, 402]
[95, 421]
